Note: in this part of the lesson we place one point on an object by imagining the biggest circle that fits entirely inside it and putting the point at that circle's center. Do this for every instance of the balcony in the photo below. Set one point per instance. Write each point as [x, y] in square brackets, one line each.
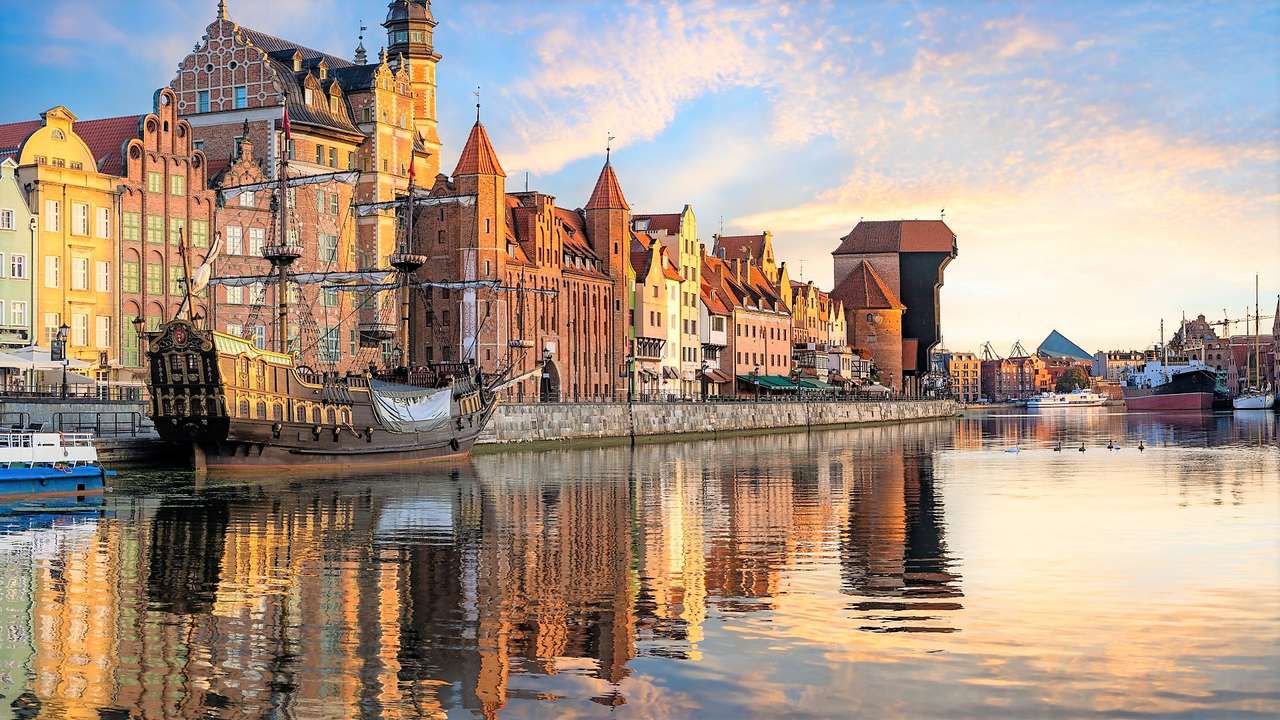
[647, 348]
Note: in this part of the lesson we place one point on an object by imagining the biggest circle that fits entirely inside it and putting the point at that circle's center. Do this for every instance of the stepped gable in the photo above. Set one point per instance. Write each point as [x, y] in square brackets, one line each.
[886, 236]
[478, 156]
[863, 289]
[1057, 345]
[105, 137]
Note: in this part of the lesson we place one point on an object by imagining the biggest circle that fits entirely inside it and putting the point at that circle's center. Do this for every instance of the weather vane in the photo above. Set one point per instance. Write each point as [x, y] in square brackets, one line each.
[477, 94]
[608, 143]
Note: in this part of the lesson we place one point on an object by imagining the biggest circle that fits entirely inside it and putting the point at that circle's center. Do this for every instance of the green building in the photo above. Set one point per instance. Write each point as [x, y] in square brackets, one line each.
[17, 235]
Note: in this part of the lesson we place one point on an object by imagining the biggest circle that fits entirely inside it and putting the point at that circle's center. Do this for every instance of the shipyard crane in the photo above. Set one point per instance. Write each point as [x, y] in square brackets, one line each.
[989, 353]
[1017, 350]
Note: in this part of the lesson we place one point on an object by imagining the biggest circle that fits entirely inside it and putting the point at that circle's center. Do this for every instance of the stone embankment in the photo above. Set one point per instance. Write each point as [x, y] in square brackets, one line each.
[560, 422]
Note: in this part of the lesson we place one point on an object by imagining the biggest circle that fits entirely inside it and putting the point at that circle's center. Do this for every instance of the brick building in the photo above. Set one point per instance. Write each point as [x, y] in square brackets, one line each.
[874, 321]
[577, 322]
[758, 339]
[909, 256]
[655, 319]
[167, 209]
[1015, 378]
[377, 117]
[964, 370]
[678, 232]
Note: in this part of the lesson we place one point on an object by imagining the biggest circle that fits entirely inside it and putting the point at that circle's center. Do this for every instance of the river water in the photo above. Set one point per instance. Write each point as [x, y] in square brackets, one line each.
[923, 570]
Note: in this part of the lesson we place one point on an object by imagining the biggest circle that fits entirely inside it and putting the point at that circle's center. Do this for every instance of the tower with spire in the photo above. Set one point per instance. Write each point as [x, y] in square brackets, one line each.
[608, 221]
[410, 26]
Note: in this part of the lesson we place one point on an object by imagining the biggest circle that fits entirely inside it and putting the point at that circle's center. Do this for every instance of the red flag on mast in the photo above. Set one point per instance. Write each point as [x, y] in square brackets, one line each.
[287, 129]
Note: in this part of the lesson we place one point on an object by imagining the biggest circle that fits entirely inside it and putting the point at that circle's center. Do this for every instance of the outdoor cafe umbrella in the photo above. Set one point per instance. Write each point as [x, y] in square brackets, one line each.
[36, 358]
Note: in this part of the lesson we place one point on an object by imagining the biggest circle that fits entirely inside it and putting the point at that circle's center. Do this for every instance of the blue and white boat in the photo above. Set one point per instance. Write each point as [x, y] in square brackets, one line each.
[47, 462]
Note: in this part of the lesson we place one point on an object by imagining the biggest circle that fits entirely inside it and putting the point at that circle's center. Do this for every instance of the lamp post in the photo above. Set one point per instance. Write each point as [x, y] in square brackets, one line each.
[138, 324]
[795, 380]
[755, 380]
[63, 331]
[545, 385]
[705, 368]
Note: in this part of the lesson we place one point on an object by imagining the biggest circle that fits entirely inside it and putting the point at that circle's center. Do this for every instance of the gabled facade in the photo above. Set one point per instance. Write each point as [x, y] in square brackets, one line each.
[17, 247]
[678, 232]
[759, 335]
[559, 319]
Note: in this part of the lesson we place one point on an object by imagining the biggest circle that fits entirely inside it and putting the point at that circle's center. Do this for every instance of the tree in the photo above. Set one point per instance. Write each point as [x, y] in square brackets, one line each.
[1073, 378]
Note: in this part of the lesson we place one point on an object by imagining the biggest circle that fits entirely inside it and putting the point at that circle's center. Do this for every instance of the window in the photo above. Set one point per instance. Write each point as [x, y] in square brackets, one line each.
[175, 280]
[51, 322]
[257, 237]
[129, 277]
[52, 215]
[79, 273]
[292, 149]
[260, 337]
[200, 233]
[153, 323]
[104, 223]
[247, 199]
[328, 247]
[321, 204]
[103, 331]
[177, 229]
[155, 182]
[333, 203]
[258, 293]
[329, 297]
[18, 266]
[235, 240]
[155, 279]
[319, 154]
[155, 229]
[80, 329]
[6, 219]
[103, 271]
[131, 226]
[130, 347]
[351, 161]
[19, 312]
[52, 271]
[308, 96]
[242, 96]
[329, 346]
[235, 329]
[235, 295]
[333, 157]
[202, 101]
[335, 104]
[177, 185]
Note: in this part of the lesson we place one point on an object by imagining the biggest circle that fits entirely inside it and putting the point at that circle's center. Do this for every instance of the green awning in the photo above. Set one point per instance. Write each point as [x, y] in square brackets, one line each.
[816, 384]
[769, 382]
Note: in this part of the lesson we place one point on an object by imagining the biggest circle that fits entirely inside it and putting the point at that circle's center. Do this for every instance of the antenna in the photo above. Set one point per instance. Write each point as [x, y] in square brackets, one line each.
[526, 181]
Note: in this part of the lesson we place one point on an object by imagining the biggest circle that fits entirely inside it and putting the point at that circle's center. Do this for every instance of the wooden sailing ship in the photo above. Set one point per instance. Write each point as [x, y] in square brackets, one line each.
[231, 404]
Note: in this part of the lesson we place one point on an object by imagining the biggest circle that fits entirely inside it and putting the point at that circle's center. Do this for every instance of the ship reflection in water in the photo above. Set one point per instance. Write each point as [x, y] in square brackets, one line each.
[918, 570]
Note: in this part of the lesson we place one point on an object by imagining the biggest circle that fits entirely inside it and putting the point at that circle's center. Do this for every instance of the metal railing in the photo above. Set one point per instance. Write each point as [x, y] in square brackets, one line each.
[103, 424]
[112, 393]
[808, 396]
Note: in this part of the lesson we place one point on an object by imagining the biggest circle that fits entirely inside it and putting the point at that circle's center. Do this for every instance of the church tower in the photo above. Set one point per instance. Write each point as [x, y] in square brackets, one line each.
[410, 25]
[608, 221]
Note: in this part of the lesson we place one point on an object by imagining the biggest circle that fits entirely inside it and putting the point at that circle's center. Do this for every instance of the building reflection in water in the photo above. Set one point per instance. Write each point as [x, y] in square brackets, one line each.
[408, 597]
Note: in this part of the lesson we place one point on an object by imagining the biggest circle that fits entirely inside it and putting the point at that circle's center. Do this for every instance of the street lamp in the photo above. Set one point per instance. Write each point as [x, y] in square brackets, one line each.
[546, 375]
[755, 380]
[63, 331]
[795, 380]
[706, 367]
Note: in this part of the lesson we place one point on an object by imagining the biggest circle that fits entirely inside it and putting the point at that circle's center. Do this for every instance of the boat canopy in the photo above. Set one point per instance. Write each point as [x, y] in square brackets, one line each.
[406, 408]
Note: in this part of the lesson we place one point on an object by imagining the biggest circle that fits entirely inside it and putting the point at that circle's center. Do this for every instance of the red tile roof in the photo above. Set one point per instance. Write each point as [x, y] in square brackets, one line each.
[478, 157]
[666, 222]
[740, 246]
[669, 269]
[607, 194]
[876, 236]
[864, 290]
[105, 138]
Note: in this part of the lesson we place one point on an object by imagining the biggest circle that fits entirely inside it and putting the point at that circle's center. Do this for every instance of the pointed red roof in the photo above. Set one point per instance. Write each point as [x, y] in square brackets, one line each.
[478, 157]
[608, 193]
[864, 290]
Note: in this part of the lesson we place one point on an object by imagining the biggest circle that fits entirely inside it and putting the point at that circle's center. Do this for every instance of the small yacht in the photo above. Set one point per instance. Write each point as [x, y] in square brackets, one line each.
[1075, 398]
[1254, 399]
[27, 456]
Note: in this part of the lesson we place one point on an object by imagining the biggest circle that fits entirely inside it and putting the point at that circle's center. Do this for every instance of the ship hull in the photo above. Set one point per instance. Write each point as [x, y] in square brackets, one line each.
[1163, 402]
[1254, 401]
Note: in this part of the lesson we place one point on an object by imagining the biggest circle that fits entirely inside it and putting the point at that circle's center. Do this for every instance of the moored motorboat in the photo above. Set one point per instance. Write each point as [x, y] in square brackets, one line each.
[1075, 398]
[32, 461]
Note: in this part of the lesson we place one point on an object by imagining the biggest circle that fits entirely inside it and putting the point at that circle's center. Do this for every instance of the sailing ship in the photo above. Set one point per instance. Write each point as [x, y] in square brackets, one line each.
[234, 405]
[1256, 397]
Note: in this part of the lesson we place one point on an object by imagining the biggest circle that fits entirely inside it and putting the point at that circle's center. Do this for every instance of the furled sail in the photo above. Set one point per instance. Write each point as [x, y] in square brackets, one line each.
[319, 278]
[406, 409]
[420, 199]
[234, 191]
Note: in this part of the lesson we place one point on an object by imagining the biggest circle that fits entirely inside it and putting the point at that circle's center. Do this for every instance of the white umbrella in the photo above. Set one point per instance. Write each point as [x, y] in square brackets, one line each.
[36, 358]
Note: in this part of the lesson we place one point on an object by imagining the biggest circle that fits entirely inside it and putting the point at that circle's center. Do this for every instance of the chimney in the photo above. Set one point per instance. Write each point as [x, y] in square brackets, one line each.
[737, 269]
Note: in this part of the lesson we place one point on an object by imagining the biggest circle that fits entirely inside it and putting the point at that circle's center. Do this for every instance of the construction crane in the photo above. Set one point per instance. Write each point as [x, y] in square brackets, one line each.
[1017, 350]
[1227, 321]
[989, 353]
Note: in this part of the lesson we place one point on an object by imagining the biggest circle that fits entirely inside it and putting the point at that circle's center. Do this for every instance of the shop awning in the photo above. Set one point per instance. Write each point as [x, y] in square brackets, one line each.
[769, 382]
[670, 373]
[718, 376]
[648, 374]
[816, 384]
[36, 358]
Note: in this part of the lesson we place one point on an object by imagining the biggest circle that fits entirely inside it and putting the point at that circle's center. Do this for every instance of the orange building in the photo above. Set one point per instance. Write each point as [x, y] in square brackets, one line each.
[875, 321]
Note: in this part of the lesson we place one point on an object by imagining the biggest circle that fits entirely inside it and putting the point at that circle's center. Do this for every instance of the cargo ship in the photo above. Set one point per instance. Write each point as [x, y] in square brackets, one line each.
[1160, 387]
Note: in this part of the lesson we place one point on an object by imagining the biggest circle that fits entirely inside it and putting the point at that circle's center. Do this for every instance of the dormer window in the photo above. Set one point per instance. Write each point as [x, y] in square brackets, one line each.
[324, 70]
[308, 96]
[335, 104]
[297, 62]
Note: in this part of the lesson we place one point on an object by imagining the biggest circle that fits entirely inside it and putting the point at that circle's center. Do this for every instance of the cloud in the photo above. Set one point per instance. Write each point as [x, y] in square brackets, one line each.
[629, 76]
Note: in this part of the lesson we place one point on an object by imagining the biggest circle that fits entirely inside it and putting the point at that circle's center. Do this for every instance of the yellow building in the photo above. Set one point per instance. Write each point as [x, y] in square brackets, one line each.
[77, 212]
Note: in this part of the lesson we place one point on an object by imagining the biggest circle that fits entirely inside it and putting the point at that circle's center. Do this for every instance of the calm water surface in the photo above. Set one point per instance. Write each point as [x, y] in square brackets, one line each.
[910, 571]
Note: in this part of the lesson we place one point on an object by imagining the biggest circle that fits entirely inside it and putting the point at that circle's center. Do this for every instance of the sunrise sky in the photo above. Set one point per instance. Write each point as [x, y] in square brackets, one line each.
[1102, 164]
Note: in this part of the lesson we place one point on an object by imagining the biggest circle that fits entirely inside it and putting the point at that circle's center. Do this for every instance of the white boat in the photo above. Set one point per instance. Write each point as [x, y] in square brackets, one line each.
[1075, 398]
[1253, 399]
[47, 456]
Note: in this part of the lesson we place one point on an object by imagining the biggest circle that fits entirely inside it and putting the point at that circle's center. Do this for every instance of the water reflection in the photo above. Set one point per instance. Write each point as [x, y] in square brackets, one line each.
[726, 578]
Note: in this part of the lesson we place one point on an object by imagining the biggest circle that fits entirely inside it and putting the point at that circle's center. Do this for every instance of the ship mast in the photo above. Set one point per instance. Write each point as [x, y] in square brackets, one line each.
[282, 253]
[1257, 341]
[406, 263]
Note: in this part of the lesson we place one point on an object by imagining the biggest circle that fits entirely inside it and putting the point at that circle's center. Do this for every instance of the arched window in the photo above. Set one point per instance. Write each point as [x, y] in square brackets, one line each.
[300, 412]
[277, 412]
[331, 417]
[244, 409]
[260, 411]
[315, 415]
[58, 134]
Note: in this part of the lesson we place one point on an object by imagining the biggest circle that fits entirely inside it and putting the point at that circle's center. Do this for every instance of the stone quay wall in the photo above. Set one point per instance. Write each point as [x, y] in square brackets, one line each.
[560, 422]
